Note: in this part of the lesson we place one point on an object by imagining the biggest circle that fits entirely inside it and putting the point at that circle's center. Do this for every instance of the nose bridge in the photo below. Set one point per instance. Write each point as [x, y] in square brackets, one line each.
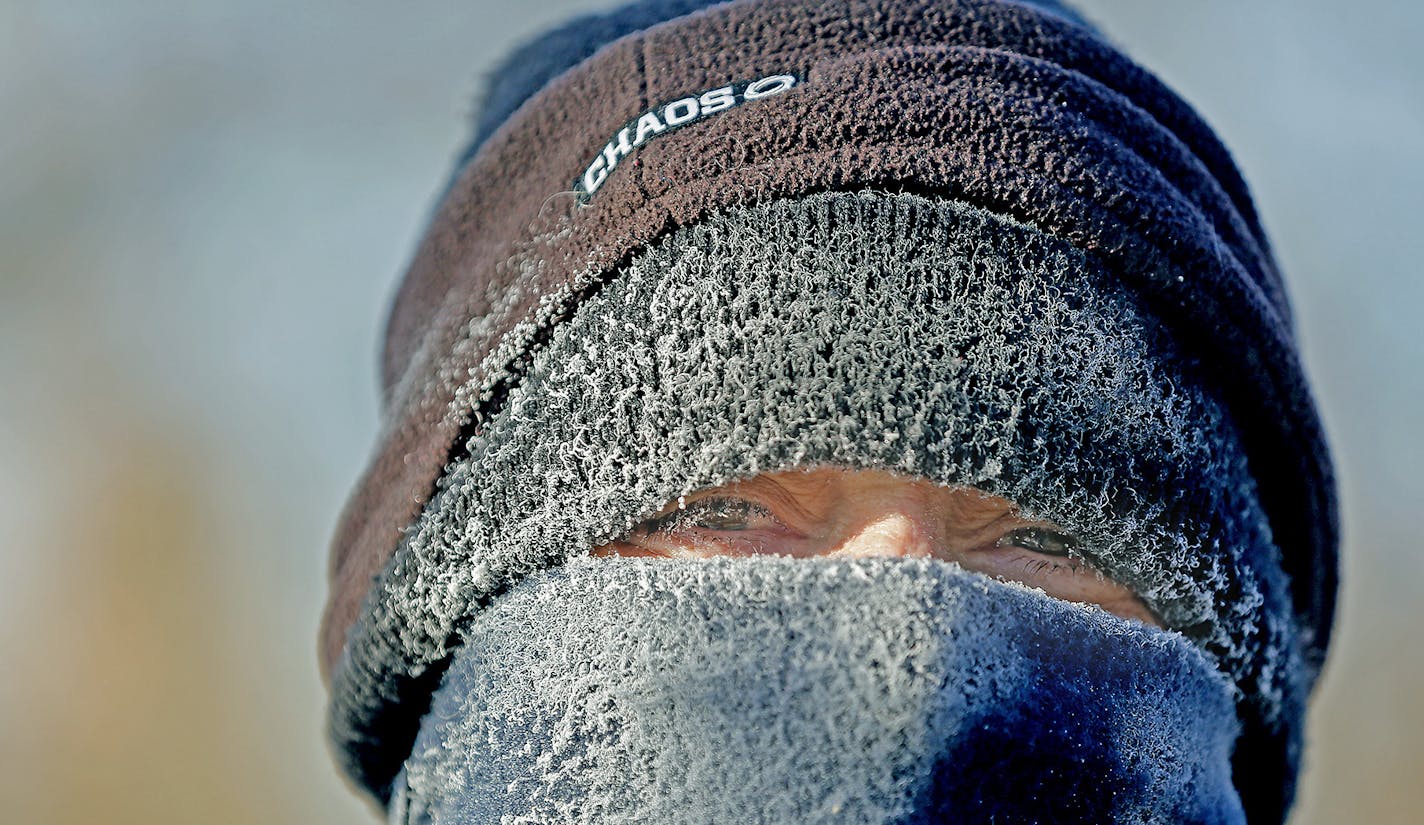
[902, 528]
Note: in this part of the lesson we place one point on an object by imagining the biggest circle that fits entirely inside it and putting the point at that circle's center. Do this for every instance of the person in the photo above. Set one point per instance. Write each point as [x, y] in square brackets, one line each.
[879, 411]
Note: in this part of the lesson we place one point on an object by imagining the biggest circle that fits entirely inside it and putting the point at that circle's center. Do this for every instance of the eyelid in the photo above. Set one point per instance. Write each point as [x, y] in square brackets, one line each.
[688, 510]
[1044, 540]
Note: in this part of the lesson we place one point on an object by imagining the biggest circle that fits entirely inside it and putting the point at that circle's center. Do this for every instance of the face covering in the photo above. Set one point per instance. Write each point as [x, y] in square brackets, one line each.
[966, 241]
[768, 690]
[713, 357]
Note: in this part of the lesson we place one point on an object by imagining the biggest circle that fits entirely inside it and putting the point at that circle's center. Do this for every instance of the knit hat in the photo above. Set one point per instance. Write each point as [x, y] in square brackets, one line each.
[969, 241]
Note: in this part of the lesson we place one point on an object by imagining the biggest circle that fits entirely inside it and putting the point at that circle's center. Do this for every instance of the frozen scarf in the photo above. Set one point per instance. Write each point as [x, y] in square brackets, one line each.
[967, 241]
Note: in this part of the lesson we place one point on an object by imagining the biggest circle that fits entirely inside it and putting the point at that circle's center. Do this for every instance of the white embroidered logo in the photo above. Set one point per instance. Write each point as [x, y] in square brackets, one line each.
[670, 116]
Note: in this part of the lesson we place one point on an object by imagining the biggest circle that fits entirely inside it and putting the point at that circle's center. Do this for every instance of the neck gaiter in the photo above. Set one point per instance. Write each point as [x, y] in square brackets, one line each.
[767, 690]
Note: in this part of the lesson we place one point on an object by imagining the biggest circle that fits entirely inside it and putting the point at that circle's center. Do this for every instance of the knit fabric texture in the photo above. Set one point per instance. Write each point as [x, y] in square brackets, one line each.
[860, 330]
[769, 691]
[966, 240]
[1000, 105]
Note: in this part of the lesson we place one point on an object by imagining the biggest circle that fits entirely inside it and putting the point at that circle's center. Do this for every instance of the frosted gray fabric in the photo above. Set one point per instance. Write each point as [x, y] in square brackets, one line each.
[773, 690]
[868, 330]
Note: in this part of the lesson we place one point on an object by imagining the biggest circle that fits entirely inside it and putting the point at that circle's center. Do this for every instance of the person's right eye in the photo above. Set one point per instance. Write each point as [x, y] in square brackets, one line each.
[714, 513]
[710, 525]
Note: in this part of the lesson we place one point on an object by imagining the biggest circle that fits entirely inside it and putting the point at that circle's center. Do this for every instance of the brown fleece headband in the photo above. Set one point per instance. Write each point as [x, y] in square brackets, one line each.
[996, 105]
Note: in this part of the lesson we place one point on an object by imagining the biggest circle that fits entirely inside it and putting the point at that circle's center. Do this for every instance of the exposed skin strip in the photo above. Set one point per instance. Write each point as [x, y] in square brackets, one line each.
[838, 512]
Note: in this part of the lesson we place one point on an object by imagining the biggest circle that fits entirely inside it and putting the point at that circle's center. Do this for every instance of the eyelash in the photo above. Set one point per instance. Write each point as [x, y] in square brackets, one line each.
[1033, 566]
[1039, 540]
[1043, 542]
[703, 508]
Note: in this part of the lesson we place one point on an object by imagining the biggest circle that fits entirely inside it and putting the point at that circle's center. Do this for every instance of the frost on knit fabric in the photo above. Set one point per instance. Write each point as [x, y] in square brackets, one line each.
[869, 330]
[775, 690]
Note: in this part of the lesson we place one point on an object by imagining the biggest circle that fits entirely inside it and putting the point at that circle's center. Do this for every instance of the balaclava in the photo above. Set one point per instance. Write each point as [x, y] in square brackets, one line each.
[962, 240]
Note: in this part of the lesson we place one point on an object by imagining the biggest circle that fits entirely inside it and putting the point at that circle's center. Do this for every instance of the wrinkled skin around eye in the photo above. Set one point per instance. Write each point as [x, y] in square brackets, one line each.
[848, 513]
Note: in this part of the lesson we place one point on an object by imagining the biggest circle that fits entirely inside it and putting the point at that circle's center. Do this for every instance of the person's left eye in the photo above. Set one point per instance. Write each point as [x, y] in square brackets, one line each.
[1040, 540]
[1049, 552]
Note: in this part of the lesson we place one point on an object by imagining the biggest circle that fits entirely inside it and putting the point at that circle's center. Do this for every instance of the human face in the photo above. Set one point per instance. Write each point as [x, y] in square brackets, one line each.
[846, 513]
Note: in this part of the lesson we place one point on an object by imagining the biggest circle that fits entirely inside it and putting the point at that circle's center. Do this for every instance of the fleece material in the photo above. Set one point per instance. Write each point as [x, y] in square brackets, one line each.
[872, 330]
[769, 691]
[528, 68]
[1005, 106]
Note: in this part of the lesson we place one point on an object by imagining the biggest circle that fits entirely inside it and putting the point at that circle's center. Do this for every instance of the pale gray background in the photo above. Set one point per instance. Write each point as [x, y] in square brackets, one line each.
[204, 206]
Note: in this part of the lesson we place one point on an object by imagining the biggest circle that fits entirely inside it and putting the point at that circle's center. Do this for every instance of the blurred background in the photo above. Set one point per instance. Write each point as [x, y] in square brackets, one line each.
[204, 206]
